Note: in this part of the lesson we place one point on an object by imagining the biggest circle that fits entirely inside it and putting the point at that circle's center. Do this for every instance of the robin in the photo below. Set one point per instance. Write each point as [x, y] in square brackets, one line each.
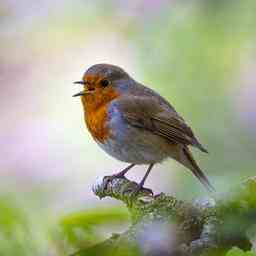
[134, 124]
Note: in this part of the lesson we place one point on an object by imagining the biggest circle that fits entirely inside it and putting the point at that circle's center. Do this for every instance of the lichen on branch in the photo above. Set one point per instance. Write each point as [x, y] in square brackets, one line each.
[182, 228]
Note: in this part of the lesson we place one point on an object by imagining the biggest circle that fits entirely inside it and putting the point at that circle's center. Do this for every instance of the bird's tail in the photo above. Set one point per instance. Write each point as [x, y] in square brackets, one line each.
[193, 166]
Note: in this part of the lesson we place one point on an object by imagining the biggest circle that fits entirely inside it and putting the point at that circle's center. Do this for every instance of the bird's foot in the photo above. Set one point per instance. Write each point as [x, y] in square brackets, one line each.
[139, 189]
[134, 190]
[110, 178]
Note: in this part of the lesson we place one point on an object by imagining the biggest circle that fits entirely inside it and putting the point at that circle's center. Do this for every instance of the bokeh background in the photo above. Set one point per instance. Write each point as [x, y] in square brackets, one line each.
[199, 54]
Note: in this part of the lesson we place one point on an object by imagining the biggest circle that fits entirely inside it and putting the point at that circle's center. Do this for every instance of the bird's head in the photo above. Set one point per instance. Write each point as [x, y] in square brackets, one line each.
[102, 83]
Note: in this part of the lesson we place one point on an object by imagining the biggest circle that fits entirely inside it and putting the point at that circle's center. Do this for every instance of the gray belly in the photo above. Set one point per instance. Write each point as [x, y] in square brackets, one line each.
[137, 146]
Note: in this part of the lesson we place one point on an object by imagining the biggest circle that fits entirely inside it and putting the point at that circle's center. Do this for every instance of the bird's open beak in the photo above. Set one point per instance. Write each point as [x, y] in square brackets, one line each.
[80, 94]
[80, 82]
[85, 91]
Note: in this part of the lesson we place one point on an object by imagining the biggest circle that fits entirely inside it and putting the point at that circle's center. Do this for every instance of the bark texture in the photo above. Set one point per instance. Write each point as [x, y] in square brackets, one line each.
[164, 225]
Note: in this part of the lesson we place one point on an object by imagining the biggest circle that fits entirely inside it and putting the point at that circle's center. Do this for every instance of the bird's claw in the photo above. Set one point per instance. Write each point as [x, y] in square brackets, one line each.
[139, 189]
[132, 191]
[108, 179]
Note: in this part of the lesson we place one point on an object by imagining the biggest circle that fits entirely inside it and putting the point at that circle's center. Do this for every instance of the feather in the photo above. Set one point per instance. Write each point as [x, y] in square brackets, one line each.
[147, 113]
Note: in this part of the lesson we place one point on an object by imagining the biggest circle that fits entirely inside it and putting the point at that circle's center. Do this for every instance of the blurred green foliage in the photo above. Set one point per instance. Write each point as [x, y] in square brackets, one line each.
[22, 231]
[80, 228]
[238, 252]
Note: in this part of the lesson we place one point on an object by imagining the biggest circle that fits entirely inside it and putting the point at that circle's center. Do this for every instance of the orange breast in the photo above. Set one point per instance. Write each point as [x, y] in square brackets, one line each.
[95, 111]
[95, 121]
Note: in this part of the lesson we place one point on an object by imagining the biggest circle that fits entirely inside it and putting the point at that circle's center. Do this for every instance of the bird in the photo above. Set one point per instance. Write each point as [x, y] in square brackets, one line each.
[135, 124]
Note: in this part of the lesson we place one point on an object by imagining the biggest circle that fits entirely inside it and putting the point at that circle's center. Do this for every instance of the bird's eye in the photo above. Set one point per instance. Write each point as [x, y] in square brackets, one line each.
[104, 82]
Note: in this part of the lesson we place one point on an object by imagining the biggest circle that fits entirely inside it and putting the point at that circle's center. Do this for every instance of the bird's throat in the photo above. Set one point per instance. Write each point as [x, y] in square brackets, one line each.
[96, 113]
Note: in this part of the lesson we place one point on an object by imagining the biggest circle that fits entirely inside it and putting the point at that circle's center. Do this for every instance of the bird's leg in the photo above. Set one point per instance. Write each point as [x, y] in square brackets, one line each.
[123, 172]
[118, 175]
[141, 184]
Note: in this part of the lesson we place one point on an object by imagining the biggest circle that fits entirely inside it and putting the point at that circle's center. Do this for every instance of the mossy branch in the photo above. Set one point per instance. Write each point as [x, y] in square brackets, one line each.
[202, 227]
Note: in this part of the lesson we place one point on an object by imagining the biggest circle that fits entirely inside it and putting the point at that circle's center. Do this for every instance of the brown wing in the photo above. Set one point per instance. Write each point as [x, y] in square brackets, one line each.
[146, 113]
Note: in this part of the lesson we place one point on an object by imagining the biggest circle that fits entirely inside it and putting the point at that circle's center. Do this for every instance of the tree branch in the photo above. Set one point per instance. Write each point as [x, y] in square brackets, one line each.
[180, 228]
